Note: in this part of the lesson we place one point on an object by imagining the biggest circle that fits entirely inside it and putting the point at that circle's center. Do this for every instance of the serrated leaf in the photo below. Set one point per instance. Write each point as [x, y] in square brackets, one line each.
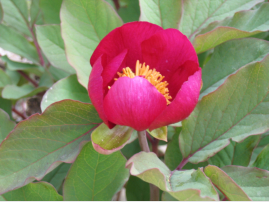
[235, 111]
[242, 24]
[106, 141]
[84, 23]
[182, 185]
[6, 125]
[165, 13]
[51, 42]
[57, 176]
[67, 88]
[40, 143]
[200, 14]
[51, 10]
[12, 41]
[225, 184]
[223, 62]
[253, 181]
[236, 153]
[39, 191]
[17, 92]
[159, 133]
[95, 177]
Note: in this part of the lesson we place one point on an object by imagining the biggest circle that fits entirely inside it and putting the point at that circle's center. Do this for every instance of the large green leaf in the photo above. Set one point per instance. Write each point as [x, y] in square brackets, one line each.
[6, 105]
[253, 181]
[95, 177]
[4, 79]
[165, 13]
[183, 185]
[51, 42]
[130, 12]
[199, 14]
[51, 11]
[238, 109]
[39, 144]
[14, 42]
[225, 184]
[57, 176]
[67, 88]
[262, 160]
[6, 125]
[16, 15]
[84, 23]
[16, 92]
[223, 62]
[242, 24]
[107, 141]
[137, 190]
[40, 191]
[236, 153]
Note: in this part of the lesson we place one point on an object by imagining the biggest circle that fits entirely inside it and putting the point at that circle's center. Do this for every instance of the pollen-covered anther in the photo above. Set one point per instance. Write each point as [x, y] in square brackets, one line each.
[154, 77]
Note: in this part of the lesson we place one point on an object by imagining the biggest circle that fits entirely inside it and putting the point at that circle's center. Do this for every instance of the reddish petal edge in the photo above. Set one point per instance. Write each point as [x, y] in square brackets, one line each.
[184, 103]
[133, 102]
[95, 89]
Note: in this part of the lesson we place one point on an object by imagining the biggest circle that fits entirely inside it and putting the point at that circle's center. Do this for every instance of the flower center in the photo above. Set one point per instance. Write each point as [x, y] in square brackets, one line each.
[154, 77]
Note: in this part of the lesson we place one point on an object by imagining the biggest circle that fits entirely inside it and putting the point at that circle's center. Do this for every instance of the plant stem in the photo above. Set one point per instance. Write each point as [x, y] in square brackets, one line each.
[28, 78]
[117, 4]
[41, 59]
[142, 137]
[182, 164]
[18, 113]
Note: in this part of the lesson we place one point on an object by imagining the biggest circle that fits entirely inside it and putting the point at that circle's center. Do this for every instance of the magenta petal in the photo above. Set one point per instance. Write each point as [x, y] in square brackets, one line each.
[129, 36]
[168, 50]
[184, 103]
[95, 89]
[133, 102]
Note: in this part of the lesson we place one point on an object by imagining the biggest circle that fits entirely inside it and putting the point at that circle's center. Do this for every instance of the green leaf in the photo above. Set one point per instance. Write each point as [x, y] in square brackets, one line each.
[57, 176]
[236, 153]
[159, 133]
[95, 177]
[106, 141]
[51, 10]
[130, 12]
[58, 73]
[67, 88]
[238, 109]
[12, 41]
[253, 181]
[39, 144]
[46, 80]
[200, 14]
[6, 105]
[1, 16]
[40, 191]
[4, 79]
[6, 125]
[167, 197]
[35, 13]
[165, 13]
[225, 184]
[242, 24]
[51, 42]
[182, 185]
[17, 92]
[131, 149]
[262, 160]
[137, 190]
[16, 15]
[84, 23]
[26, 67]
[223, 62]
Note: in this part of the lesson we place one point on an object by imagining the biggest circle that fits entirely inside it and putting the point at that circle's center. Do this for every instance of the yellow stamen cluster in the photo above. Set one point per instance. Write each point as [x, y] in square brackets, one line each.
[154, 77]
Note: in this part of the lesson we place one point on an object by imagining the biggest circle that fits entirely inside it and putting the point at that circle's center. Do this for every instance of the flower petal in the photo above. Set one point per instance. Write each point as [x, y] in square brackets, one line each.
[133, 102]
[129, 36]
[167, 50]
[95, 89]
[183, 104]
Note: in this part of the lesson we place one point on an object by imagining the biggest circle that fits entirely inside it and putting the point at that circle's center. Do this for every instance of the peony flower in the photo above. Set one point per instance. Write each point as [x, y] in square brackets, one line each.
[144, 77]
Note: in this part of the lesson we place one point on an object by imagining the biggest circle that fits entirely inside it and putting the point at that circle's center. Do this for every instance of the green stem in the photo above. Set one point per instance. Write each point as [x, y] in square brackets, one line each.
[142, 137]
